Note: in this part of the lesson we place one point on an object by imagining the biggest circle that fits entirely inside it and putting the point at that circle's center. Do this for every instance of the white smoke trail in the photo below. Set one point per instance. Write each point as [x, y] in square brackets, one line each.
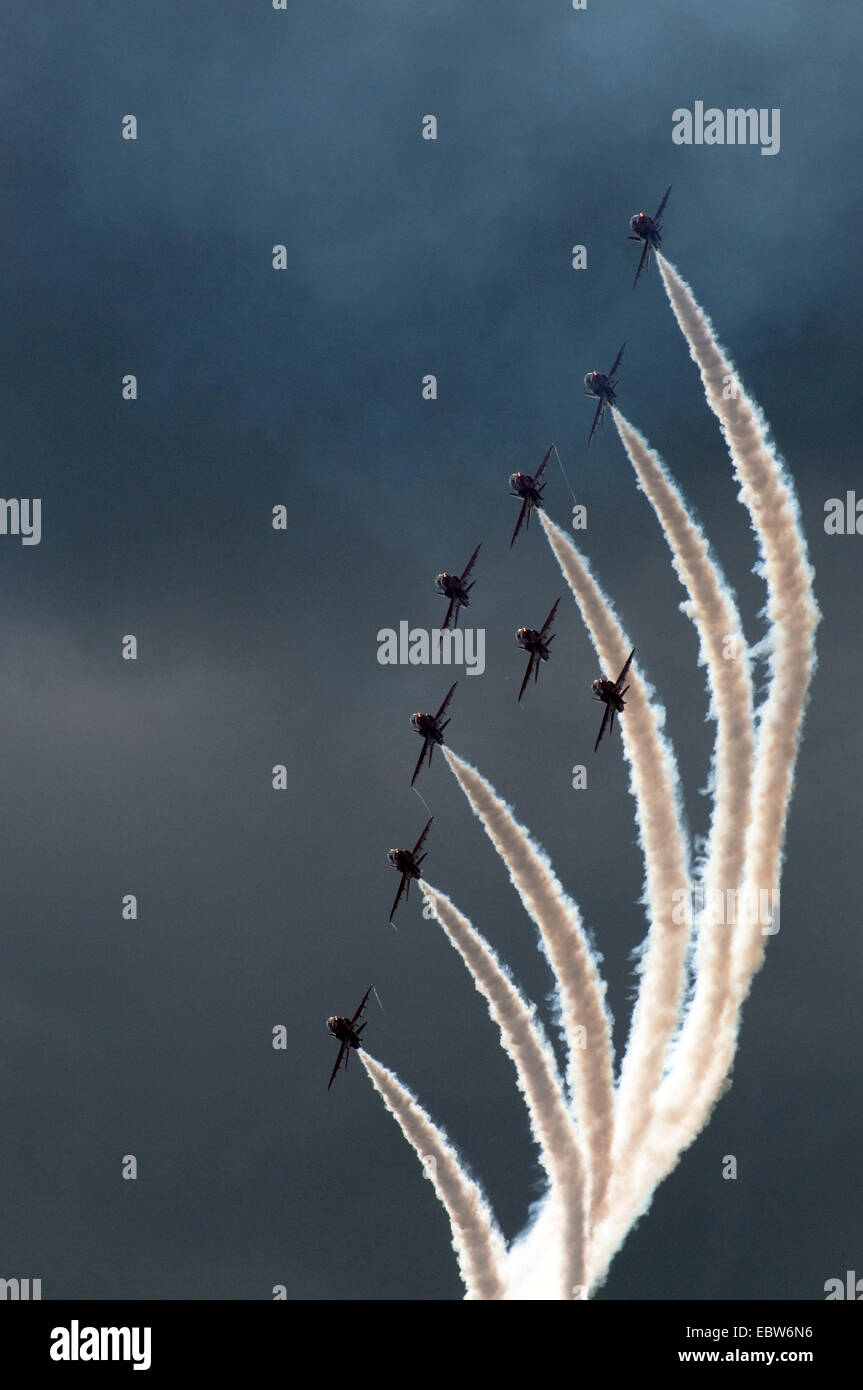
[792, 611]
[684, 1101]
[655, 786]
[524, 1041]
[479, 1246]
[767, 493]
[586, 1022]
[723, 650]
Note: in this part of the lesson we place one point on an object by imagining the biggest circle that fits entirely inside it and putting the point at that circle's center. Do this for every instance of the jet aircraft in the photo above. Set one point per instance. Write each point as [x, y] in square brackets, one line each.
[537, 643]
[457, 590]
[529, 491]
[602, 386]
[611, 694]
[430, 728]
[648, 230]
[407, 862]
[347, 1030]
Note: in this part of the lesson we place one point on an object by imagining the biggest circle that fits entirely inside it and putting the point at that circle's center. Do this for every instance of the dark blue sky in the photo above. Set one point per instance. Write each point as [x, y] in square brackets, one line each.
[256, 388]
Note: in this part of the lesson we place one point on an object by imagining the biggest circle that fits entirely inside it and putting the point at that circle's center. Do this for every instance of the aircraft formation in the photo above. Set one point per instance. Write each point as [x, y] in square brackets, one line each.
[528, 489]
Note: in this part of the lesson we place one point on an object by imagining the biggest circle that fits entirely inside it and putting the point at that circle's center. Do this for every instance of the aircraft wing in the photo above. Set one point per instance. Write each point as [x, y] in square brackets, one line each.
[525, 507]
[338, 1063]
[539, 472]
[626, 667]
[660, 210]
[359, 1011]
[641, 264]
[528, 672]
[419, 844]
[398, 896]
[617, 362]
[602, 726]
[446, 621]
[596, 419]
[446, 701]
[549, 619]
[470, 564]
[420, 761]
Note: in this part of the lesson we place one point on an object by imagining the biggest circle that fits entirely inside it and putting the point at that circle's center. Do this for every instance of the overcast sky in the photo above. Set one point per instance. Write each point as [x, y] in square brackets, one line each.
[258, 647]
